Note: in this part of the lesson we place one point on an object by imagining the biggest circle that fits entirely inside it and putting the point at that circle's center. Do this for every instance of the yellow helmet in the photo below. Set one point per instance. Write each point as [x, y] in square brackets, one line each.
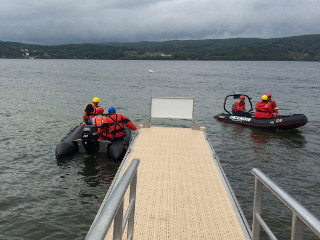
[264, 97]
[96, 100]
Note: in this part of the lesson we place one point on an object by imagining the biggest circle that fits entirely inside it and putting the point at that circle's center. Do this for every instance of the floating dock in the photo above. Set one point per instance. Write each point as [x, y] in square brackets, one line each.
[182, 191]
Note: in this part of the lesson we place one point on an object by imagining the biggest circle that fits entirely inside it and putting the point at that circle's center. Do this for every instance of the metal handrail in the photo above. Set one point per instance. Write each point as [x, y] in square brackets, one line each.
[300, 215]
[112, 211]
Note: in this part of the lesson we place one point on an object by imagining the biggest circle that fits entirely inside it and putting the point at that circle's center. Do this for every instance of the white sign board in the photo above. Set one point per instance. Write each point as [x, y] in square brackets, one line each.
[181, 108]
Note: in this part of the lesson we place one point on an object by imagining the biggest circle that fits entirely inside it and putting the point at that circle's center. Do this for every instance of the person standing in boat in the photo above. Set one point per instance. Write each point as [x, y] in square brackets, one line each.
[90, 110]
[97, 121]
[273, 104]
[239, 108]
[264, 109]
[112, 127]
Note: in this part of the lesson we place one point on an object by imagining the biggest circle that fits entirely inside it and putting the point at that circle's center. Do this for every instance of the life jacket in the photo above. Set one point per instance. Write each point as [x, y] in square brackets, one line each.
[92, 114]
[116, 127]
[97, 121]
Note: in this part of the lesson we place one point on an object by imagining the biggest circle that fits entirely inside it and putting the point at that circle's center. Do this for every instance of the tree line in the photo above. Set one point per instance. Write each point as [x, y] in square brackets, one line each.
[298, 48]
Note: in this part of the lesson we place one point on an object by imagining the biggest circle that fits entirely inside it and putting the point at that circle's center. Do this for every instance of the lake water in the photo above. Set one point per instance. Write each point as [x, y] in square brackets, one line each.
[45, 198]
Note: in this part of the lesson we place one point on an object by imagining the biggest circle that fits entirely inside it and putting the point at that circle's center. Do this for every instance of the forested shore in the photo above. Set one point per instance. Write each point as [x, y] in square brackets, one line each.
[297, 48]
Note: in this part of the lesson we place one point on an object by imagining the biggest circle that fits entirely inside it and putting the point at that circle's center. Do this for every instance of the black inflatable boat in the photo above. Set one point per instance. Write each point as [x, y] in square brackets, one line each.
[84, 139]
[286, 122]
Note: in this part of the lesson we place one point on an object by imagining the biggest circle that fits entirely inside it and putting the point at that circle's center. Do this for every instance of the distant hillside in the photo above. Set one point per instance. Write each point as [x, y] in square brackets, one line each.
[301, 48]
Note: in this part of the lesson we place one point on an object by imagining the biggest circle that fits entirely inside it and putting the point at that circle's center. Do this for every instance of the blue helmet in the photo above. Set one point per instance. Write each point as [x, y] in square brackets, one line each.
[111, 110]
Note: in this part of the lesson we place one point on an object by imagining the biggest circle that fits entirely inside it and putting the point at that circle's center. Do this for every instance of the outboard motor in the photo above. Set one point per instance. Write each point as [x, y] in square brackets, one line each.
[90, 139]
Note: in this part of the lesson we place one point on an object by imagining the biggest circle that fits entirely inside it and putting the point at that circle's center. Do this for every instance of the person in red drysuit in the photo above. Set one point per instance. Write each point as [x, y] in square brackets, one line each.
[112, 127]
[264, 109]
[240, 106]
[273, 104]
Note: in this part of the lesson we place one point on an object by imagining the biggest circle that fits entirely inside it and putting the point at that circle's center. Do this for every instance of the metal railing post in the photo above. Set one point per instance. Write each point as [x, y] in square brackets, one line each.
[132, 198]
[301, 216]
[112, 210]
[257, 209]
[117, 224]
[297, 227]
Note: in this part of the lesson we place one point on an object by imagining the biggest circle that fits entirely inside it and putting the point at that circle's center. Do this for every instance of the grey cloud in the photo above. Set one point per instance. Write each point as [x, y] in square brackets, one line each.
[57, 22]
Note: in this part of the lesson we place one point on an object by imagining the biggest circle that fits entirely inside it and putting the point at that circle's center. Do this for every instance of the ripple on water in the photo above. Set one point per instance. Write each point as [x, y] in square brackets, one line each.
[46, 198]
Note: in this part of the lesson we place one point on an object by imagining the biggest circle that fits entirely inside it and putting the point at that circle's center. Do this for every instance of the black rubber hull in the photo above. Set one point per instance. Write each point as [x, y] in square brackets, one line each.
[117, 149]
[281, 122]
[68, 147]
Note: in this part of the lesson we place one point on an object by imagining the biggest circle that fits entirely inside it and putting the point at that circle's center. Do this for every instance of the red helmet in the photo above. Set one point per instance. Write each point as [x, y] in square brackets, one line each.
[99, 110]
[242, 96]
[269, 95]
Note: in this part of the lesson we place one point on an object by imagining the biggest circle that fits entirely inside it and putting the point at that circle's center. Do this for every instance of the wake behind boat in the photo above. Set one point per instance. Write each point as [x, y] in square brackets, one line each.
[281, 122]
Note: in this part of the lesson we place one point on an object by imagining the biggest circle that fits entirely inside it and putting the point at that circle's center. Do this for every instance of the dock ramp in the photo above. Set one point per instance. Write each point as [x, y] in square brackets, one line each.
[181, 190]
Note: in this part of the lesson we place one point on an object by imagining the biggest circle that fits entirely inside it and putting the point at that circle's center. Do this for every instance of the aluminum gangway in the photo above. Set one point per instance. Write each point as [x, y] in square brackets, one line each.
[181, 191]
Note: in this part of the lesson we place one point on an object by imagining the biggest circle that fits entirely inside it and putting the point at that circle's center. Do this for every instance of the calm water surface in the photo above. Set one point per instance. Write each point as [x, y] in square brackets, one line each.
[45, 198]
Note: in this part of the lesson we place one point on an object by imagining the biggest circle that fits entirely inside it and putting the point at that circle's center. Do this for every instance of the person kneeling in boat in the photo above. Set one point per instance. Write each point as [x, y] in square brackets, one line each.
[97, 121]
[239, 108]
[112, 127]
[264, 109]
[273, 104]
[90, 110]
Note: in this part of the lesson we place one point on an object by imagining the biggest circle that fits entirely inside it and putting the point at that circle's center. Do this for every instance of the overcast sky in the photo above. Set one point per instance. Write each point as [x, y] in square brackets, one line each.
[88, 21]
